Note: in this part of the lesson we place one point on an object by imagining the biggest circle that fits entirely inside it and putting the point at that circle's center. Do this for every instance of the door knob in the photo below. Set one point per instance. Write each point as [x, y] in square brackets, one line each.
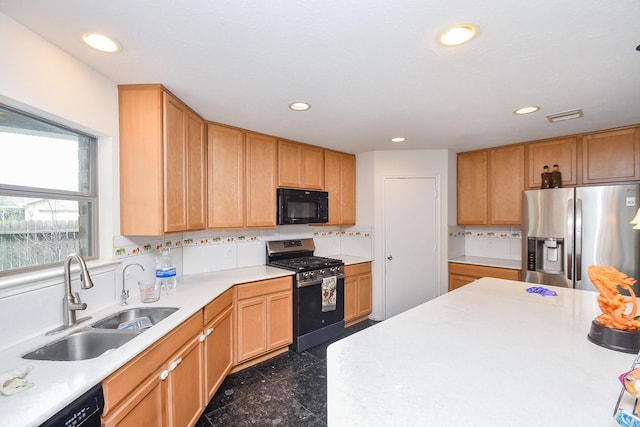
[389, 257]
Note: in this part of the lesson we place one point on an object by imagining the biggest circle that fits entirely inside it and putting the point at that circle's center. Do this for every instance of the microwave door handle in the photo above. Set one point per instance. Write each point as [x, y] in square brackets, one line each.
[578, 237]
[570, 225]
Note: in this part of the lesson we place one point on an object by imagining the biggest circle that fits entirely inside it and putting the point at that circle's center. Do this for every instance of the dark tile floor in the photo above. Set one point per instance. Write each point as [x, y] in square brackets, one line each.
[287, 390]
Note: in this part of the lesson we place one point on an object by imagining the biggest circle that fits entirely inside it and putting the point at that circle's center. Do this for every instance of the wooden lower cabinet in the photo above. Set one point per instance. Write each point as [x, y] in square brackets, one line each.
[160, 386]
[463, 274]
[264, 317]
[357, 293]
[218, 342]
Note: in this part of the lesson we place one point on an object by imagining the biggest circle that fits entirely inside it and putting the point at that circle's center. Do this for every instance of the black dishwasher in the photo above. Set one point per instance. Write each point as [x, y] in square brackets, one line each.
[85, 411]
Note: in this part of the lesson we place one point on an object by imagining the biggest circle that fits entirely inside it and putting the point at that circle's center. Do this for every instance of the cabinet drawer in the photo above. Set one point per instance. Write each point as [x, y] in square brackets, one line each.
[478, 271]
[119, 384]
[362, 268]
[263, 287]
[216, 306]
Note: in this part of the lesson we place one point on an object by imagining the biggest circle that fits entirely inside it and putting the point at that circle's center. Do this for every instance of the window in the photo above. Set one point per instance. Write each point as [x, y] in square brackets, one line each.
[48, 196]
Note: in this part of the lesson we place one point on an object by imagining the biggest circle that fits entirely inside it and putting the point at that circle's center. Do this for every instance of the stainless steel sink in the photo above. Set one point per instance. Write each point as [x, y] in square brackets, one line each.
[82, 345]
[154, 314]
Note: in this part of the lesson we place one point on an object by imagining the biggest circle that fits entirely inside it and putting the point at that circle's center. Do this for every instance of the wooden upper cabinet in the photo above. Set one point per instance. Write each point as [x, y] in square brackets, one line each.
[226, 177]
[340, 183]
[560, 151]
[472, 188]
[506, 182]
[300, 166]
[161, 162]
[612, 156]
[261, 176]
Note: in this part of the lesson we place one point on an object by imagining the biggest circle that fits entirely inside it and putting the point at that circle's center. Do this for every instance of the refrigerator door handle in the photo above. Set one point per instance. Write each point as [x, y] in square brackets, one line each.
[570, 229]
[578, 240]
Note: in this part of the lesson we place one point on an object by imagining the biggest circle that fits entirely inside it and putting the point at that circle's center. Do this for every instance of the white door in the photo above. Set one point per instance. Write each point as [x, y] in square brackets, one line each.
[410, 229]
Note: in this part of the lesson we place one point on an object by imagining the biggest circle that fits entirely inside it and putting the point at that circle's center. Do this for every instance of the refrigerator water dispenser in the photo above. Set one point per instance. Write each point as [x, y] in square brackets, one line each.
[545, 254]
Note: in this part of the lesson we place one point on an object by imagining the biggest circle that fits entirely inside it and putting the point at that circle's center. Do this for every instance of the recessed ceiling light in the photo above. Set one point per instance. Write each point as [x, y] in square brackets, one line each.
[299, 106]
[398, 139]
[458, 35]
[527, 110]
[100, 42]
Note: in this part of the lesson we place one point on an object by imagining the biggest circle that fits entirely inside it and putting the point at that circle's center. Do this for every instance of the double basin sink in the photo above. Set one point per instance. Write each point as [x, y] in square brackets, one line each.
[104, 335]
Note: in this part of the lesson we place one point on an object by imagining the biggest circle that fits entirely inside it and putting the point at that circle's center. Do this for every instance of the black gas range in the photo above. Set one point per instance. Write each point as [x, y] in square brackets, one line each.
[318, 291]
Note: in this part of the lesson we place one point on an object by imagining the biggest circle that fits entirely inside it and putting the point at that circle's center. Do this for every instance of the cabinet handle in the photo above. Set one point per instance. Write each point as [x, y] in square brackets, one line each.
[174, 364]
[209, 331]
[163, 375]
[202, 337]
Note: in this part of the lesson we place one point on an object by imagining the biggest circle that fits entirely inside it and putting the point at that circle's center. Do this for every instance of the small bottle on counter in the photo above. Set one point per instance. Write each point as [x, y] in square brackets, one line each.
[556, 177]
[165, 270]
[546, 178]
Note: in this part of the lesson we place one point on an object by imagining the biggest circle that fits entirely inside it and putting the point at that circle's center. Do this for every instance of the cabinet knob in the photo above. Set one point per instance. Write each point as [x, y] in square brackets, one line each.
[202, 337]
[209, 331]
[163, 375]
[174, 364]
[389, 257]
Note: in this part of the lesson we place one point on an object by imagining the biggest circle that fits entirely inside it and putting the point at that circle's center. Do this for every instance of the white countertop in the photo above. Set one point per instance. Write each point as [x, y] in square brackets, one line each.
[489, 262]
[59, 383]
[350, 260]
[486, 354]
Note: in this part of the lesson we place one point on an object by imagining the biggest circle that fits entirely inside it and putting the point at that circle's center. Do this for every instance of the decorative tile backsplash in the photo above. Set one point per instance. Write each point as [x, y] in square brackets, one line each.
[488, 242]
[212, 250]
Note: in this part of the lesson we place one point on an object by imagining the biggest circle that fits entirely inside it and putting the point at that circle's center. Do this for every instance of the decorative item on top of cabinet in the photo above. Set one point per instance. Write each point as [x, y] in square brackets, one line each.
[357, 293]
[300, 166]
[264, 320]
[612, 156]
[340, 183]
[463, 274]
[162, 161]
[162, 386]
[560, 151]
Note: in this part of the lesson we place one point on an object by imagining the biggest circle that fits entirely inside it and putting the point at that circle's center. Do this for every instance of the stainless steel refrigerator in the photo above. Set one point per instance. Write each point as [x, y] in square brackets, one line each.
[565, 230]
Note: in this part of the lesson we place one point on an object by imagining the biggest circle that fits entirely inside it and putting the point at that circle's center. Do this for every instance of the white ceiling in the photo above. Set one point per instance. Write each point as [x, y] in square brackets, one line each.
[372, 70]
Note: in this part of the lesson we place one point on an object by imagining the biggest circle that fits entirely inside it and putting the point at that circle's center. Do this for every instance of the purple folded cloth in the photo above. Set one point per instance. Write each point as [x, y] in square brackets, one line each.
[542, 291]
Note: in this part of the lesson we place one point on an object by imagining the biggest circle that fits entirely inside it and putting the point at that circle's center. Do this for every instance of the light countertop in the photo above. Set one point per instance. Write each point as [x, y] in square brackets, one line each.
[350, 260]
[489, 262]
[59, 383]
[486, 354]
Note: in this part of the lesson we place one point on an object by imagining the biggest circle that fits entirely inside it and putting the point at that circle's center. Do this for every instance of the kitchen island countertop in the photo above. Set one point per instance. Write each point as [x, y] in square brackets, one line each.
[486, 354]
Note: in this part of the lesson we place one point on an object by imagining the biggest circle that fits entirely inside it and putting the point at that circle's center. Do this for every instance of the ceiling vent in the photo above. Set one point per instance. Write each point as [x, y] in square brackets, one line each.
[564, 115]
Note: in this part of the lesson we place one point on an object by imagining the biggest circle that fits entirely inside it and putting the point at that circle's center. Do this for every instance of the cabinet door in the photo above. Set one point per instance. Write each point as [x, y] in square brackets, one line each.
[252, 329]
[472, 188]
[611, 156]
[279, 319]
[261, 180]
[144, 407]
[225, 154]
[348, 189]
[175, 164]
[218, 351]
[312, 168]
[506, 182]
[196, 163]
[364, 295]
[350, 298]
[457, 281]
[186, 385]
[332, 160]
[289, 164]
[561, 152]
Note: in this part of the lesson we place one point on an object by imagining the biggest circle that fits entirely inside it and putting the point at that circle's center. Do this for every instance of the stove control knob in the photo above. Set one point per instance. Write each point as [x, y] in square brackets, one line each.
[322, 272]
[305, 275]
[334, 269]
[310, 274]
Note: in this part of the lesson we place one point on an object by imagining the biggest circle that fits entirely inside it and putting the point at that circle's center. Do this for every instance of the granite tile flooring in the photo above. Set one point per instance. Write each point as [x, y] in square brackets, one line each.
[287, 390]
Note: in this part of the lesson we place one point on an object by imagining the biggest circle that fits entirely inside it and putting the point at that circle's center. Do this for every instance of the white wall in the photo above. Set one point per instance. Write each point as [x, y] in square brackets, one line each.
[372, 169]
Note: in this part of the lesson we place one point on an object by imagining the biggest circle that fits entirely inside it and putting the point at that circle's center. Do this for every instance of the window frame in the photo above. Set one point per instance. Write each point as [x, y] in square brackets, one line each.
[90, 197]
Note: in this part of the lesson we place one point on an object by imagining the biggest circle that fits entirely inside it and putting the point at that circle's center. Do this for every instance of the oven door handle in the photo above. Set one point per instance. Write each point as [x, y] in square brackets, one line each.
[319, 281]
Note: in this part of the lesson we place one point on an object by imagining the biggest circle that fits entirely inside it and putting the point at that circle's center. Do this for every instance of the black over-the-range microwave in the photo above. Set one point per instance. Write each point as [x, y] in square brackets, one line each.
[302, 206]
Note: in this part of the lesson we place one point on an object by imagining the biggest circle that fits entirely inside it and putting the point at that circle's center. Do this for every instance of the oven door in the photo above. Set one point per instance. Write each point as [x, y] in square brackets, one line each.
[310, 324]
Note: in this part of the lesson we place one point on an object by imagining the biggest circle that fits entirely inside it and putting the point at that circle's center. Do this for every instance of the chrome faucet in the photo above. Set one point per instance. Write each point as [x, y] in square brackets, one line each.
[125, 292]
[71, 302]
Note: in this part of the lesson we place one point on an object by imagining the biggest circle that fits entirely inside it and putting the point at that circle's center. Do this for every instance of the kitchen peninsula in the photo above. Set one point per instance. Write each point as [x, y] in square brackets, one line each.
[486, 354]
